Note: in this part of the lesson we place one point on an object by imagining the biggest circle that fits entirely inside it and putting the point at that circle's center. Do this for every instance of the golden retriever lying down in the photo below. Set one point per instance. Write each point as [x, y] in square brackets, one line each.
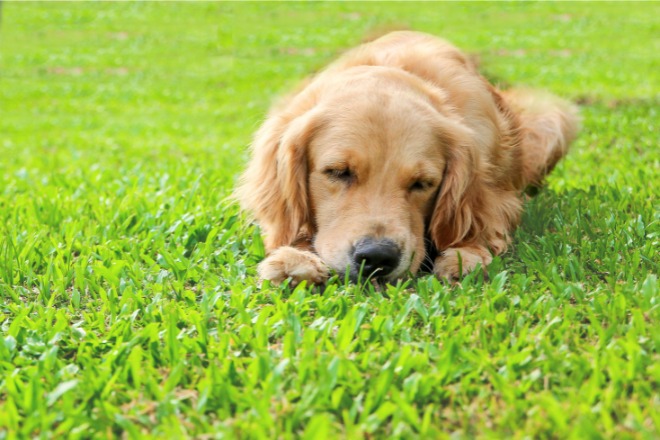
[398, 150]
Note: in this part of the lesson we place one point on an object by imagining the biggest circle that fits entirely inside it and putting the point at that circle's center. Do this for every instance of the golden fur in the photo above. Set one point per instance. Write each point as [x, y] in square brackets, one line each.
[400, 139]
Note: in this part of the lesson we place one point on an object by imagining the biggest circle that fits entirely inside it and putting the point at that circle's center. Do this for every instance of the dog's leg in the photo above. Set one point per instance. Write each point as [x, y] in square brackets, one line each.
[458, 261]
[299, 265]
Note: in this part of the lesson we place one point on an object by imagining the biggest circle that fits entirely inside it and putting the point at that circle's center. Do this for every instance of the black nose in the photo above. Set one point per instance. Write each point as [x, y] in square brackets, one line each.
[378, 257]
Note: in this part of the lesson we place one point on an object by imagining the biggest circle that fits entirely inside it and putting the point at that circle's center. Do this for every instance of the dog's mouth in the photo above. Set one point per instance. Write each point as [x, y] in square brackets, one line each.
[378, 275]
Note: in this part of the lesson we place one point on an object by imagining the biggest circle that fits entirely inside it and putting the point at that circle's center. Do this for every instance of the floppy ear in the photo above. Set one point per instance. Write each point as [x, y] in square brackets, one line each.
[470, 208]
[274, 186]
[454, 216]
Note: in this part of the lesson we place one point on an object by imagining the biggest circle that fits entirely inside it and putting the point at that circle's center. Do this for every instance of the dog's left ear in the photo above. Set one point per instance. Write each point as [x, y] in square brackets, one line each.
[470, 209]
[455, 216]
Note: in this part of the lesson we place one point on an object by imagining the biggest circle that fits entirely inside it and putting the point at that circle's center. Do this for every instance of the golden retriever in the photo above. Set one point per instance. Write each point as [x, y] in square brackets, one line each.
[396, 150]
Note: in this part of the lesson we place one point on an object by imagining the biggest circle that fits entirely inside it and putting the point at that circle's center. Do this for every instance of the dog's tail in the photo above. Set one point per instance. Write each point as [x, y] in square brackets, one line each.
[548, 125]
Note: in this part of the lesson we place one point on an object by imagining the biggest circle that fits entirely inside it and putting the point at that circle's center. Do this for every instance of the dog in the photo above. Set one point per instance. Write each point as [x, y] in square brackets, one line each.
[398, 150]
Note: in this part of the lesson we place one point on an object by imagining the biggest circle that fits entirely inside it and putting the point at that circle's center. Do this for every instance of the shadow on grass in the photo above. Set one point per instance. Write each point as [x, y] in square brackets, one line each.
[600, 234]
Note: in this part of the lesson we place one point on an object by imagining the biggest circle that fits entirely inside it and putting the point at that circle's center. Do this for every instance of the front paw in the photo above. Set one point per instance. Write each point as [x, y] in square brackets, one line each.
[287, 262]
[455, 262]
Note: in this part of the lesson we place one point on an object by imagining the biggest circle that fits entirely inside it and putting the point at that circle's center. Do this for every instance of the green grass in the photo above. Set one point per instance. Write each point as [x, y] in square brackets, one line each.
[128, 298]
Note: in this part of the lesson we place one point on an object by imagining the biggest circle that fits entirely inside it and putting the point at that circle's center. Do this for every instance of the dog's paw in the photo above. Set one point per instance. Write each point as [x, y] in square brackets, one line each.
[456, 262]
[287, 262]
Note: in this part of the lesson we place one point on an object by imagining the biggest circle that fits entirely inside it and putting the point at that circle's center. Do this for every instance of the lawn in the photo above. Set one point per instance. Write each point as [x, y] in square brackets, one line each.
[129, 304]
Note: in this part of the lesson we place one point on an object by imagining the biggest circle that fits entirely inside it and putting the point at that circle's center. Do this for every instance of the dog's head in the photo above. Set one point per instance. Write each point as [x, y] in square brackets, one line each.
[364, 165]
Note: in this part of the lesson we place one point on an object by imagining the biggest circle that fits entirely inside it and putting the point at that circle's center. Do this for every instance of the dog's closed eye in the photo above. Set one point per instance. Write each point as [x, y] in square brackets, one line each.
[340, 174]
[421, 185]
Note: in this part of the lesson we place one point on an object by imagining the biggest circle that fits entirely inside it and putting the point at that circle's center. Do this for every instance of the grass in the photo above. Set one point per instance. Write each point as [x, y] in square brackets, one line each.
[128, 299]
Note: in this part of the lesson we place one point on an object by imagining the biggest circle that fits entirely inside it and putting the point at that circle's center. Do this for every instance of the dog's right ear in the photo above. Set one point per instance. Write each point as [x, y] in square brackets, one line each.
[274, 186]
